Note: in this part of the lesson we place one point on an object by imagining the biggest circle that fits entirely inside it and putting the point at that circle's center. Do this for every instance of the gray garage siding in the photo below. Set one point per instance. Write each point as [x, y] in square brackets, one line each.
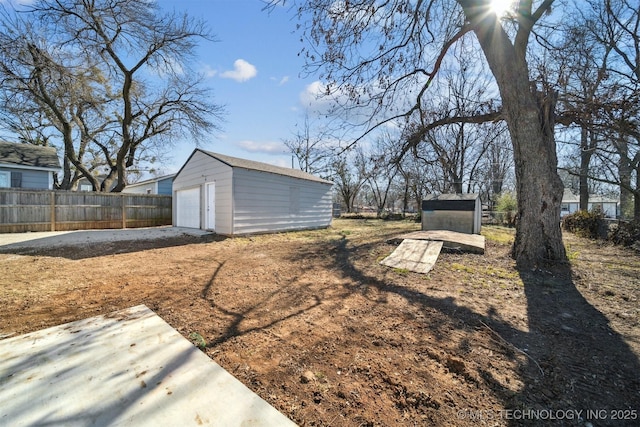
[201, 169]
[255, 197]
[266, 202]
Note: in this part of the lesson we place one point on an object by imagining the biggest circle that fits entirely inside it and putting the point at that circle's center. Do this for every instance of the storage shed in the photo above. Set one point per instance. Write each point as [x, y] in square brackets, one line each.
[234, 196]
[454, 212]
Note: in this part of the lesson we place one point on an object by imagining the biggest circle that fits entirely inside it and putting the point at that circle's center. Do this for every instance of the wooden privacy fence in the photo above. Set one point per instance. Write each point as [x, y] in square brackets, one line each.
[46, 210]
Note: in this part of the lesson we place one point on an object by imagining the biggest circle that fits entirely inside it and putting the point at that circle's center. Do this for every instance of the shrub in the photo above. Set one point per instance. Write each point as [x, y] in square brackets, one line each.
[506, 202]
[353, 215]
[392, 216]
[584, 223]
[625, 233]
[506, 207]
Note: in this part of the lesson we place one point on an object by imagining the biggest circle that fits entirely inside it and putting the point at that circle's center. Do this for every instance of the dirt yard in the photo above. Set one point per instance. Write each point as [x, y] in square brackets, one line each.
[318, 328]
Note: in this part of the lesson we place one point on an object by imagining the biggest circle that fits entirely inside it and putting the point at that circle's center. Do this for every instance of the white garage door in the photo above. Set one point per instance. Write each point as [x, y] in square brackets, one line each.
[188, 208]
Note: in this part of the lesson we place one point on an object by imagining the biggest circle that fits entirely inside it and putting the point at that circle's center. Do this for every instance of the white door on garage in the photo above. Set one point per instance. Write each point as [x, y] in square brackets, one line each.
[188, 208]
[210, 219]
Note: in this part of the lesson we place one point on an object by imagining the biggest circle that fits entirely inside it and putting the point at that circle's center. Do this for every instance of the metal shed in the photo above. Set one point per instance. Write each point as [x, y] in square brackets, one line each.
[234, 196]
[454, 212]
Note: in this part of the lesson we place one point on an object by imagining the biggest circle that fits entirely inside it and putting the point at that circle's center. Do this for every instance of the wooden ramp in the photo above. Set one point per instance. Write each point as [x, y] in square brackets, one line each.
[414, 255]
[452, 240]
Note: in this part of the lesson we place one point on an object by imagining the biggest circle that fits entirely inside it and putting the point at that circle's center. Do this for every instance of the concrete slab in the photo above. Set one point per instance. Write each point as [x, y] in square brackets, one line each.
[414, 255]
[474, 243]
[129, 368]
[49, 239]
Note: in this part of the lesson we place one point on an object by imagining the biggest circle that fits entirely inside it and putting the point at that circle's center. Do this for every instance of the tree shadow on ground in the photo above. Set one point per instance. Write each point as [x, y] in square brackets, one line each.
[573, 367]
[588, 366]
[577, 369]
[239, 320]
[40, 382]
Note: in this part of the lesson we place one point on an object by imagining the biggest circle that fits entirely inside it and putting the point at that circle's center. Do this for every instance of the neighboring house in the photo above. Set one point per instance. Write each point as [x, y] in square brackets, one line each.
[233, 196]
[608, 206]
[158, 185]
[27, 166]
[571, 204]
[85, 185]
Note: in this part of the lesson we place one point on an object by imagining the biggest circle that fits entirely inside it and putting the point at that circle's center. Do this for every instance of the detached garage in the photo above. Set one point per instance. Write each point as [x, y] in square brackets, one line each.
[233, 196]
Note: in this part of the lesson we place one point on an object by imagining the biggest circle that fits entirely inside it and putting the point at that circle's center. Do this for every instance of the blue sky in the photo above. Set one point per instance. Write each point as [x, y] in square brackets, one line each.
[255, 71]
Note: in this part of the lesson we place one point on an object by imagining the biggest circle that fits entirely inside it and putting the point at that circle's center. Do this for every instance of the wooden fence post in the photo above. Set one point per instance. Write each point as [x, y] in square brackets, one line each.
[124, 212]
[53, 211]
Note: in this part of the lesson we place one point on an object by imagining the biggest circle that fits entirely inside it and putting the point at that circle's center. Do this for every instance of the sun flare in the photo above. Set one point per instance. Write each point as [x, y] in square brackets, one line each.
[501, 7]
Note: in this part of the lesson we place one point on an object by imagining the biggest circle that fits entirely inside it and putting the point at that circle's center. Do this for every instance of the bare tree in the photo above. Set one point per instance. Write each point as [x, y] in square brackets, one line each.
[495, 167]
[582, 75]
[310, 147]
[455, 153]
[615, 25]
[457, 148]
[381, 170]
[348, 175]
[45, 92]
[142, 90]
[386, 57]
[417, 181]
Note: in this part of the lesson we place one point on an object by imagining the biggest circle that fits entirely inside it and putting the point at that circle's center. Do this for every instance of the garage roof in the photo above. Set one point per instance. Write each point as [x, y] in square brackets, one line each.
[236, 162]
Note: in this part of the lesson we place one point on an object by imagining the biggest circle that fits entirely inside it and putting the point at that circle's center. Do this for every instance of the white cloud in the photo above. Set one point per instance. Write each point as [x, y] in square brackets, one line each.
[242, 71]
[280, 81]
[316, 100]
[208, 71]
[311, 94]
[267, 147]
[320, 99]
[282, 162]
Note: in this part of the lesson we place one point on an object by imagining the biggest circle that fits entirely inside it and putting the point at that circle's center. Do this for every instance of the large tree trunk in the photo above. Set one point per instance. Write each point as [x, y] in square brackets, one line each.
[456, 184]
[121, 174]
[66, 183]
[636, 196]
[585, 160]
[538, 235]
[624, 176]
[529, 115]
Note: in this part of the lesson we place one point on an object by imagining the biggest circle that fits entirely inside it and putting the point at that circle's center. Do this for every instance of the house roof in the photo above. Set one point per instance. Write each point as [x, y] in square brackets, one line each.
[569, 197]
[156, 179]
[34, 156]
[236, 162]
[601, 199]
